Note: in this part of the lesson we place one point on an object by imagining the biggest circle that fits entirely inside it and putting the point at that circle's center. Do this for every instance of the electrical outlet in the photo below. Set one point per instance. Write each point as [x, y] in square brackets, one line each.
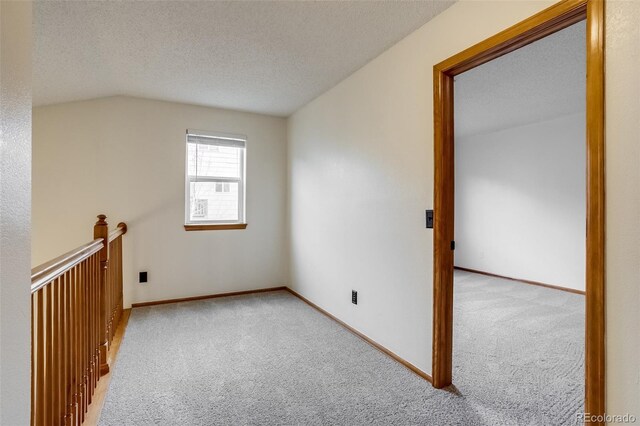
[142, 278]
[354, 297]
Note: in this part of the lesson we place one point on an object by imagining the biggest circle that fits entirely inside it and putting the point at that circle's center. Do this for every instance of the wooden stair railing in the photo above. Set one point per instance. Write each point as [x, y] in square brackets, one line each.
[76, 304]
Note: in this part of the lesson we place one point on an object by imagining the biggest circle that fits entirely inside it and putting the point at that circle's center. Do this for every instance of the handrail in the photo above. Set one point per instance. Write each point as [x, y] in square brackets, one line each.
[48, 271]
[76, 305]
[120, 230]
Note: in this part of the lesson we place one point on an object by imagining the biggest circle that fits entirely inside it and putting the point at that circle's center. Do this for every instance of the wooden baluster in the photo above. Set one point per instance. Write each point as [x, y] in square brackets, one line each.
[95, 332]
[78, 356]
[34, 351]
[112, 288]
[92, 346]
[108, 294]
[62, 383]
[90, 309]
[62, 345]
[110, 291]
[120, 279]
[113, 266]
[40, 354]
[47, 368]
[55, 348]
[74, 371]
[79, 353]
[96, 320]
[78, 344]
[65, 348]
[101, 230]
[61, 341]
[114, 293]
[83, 338]
[100, 301]
[42, 357]
[114, 296]
[117, 280]
[72, 391]
[76, 341]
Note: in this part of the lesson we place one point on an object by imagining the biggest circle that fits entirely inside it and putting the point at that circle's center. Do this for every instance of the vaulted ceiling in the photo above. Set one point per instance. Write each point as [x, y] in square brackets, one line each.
[263, 56]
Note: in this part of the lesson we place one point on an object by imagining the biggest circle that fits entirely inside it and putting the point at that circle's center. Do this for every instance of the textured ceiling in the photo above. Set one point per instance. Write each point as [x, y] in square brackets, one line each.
[263, 56]
[538, 82]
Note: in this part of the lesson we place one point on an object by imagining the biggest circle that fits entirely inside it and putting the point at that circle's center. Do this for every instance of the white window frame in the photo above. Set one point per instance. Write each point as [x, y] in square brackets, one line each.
[217, 139]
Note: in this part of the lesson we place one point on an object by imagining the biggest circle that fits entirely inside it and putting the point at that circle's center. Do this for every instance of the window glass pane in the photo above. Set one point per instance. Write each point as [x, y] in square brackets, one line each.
[210, 201]
[213, 161]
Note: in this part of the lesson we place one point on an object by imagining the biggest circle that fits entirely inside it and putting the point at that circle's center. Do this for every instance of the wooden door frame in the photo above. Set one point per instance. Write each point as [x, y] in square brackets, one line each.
[555, 18]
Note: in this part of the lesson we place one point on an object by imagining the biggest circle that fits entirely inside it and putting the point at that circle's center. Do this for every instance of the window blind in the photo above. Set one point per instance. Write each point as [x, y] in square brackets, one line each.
[207, 140]
[219, 139]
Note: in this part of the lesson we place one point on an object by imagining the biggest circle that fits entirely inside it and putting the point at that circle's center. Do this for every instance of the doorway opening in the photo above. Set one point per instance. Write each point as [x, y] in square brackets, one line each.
[520, 216]
[547, 22]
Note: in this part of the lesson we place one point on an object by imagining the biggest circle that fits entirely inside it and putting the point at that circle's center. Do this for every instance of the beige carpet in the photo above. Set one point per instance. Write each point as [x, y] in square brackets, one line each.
[270, 359]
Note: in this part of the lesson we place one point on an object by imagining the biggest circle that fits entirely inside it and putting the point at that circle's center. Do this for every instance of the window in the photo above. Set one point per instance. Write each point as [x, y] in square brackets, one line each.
[215, 182]
[201, 207]
[222, 187]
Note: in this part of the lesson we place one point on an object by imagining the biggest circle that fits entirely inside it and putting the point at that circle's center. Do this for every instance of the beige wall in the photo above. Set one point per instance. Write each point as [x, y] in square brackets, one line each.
[125, 157]
[623, 206]
[15, 210]
[361, 176]
[501, 197]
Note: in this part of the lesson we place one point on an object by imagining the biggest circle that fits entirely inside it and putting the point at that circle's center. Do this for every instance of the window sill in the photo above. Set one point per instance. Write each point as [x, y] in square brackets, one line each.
[215, 226]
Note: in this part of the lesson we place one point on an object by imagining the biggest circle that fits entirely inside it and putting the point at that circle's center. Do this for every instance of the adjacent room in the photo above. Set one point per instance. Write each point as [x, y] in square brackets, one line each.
[520, 219]
[319, 212]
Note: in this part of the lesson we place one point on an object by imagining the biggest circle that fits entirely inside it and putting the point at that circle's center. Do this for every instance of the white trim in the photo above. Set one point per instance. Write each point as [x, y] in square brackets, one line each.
[242, 187]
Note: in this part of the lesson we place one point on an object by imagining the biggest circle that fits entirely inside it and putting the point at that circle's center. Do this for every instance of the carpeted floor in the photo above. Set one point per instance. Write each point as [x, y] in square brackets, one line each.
[271, 359]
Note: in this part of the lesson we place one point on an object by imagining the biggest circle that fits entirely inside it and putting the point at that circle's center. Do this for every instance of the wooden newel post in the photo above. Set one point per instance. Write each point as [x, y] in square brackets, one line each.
[101, 230]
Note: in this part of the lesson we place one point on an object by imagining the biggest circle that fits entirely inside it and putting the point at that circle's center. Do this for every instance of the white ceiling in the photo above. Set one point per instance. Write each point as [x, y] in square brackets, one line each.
[538, 82]
[261, 56]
